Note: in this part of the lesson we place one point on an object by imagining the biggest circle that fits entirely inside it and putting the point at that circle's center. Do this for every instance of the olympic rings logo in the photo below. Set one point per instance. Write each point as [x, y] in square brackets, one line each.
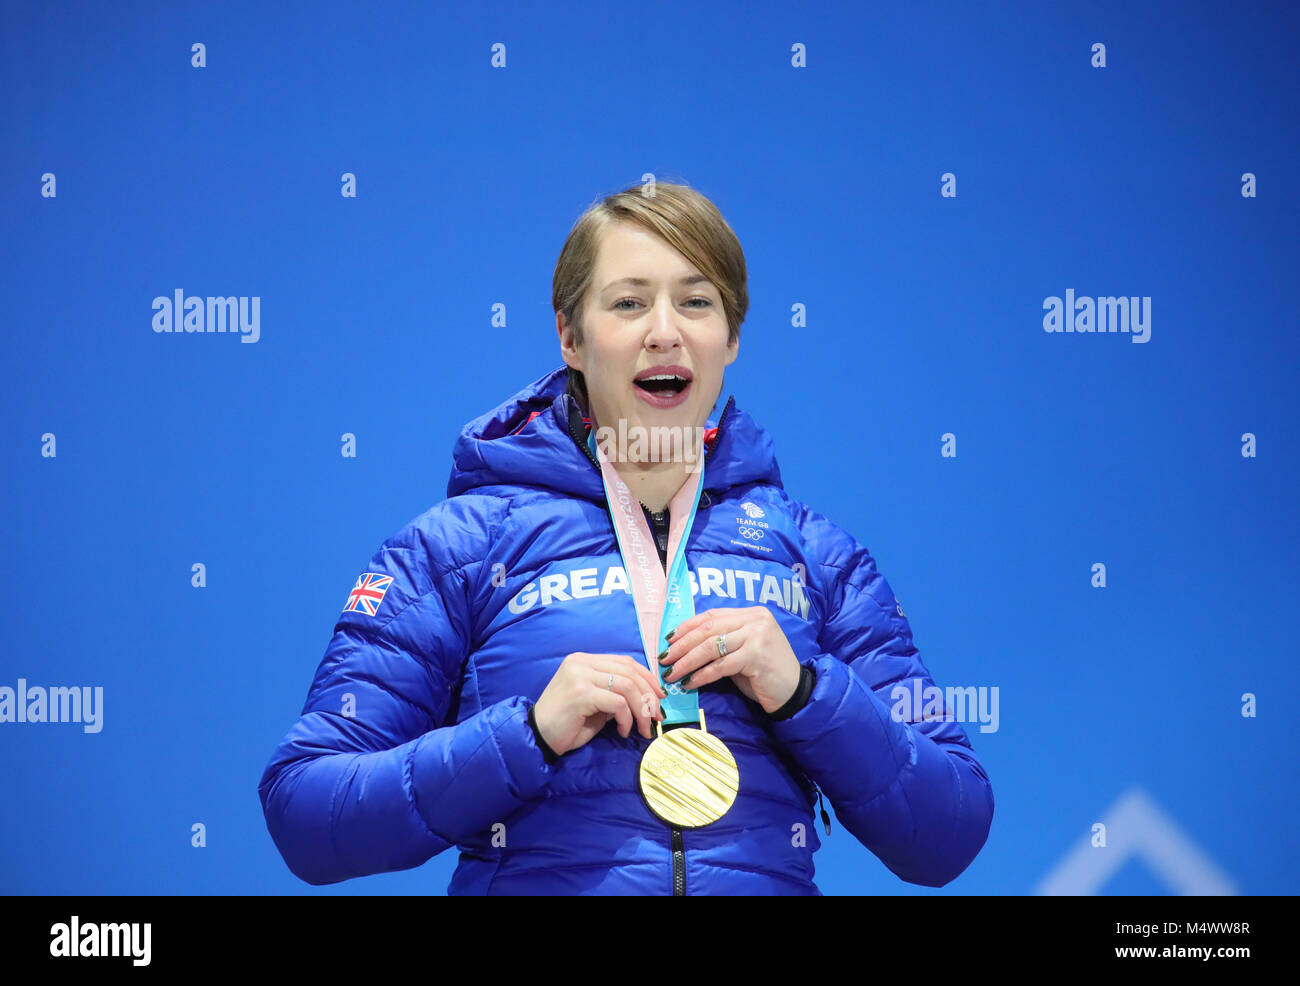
[671, 767]
[751, 533]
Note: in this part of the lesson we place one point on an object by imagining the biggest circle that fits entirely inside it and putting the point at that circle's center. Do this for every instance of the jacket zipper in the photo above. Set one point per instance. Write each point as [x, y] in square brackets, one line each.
[826, 819]
[679, 864]
[575, 429]
[659, 522]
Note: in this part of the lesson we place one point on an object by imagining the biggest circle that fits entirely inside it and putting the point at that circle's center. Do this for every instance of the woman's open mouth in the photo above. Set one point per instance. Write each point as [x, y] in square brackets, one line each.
[663, 390]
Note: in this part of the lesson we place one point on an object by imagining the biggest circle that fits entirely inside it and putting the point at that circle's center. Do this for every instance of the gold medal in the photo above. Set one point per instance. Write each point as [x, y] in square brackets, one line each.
[688, 776]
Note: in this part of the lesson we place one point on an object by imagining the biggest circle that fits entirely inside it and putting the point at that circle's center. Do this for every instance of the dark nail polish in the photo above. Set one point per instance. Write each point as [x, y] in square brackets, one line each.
[662, 655]
[669, 634]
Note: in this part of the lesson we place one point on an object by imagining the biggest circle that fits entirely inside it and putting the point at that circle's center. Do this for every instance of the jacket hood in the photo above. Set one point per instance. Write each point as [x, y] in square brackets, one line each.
[537, 438]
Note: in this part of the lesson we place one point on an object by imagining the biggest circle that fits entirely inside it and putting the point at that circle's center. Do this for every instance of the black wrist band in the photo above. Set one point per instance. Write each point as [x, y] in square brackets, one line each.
[550, 755]
[802, 692]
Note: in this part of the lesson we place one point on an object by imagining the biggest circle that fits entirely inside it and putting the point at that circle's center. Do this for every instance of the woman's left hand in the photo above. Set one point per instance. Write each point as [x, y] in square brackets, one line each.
[759, 658]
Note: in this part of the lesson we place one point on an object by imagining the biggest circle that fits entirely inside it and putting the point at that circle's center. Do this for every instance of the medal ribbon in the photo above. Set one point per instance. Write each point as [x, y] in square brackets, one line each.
[662, 600]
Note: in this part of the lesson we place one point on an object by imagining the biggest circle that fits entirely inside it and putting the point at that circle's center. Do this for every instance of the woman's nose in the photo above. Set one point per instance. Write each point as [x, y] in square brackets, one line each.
[663, 324]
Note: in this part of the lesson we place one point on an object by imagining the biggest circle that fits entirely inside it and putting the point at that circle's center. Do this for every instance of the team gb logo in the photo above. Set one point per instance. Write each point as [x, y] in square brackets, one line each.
[752, 509]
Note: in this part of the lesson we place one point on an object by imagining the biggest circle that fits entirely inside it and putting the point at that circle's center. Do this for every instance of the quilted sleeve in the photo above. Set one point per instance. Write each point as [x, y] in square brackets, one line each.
[910, 789]
[370, 778]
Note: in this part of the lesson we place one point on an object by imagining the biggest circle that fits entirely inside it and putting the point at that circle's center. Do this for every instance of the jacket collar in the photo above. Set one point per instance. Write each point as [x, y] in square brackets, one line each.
[538, 438]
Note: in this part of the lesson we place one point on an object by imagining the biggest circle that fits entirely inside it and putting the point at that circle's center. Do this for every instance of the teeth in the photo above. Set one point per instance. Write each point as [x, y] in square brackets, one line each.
[665, 376]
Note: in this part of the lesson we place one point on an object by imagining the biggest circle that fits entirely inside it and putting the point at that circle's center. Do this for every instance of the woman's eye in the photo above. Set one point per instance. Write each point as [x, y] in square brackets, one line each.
[705, 300]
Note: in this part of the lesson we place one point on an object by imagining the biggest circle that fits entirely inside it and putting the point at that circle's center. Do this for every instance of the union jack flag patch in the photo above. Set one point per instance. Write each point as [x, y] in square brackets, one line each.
[368, 593]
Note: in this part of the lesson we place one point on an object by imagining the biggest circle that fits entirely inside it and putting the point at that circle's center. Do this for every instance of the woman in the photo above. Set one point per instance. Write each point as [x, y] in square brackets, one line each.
[489, 684]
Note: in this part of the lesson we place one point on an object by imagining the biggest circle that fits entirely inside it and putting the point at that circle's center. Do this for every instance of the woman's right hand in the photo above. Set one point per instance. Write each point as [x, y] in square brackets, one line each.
[580, 699]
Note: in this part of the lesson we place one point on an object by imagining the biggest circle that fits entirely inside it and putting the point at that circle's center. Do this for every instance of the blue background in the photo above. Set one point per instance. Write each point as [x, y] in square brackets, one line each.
[924, 317]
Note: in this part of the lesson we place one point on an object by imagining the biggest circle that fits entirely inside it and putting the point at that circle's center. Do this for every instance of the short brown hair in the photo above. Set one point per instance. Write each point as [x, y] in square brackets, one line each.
[678, 214]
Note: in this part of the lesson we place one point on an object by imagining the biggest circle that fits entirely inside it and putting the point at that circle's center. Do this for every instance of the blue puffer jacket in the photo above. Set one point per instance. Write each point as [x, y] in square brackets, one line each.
[415, 736]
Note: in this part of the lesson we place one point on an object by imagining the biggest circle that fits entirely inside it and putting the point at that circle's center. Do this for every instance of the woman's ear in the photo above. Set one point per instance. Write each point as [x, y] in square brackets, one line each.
[568, 352]
[733, 350]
